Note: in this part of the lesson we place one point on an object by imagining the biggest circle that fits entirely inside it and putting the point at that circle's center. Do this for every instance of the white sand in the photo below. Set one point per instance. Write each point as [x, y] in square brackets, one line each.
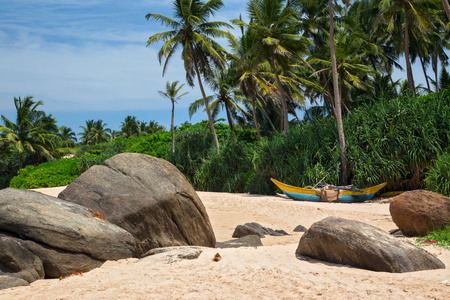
[268, 272]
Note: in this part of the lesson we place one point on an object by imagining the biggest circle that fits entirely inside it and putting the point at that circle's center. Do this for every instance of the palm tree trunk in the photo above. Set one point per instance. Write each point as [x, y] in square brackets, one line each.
[172, 128]
[377, 76]
[230, 121]
[20, 160]
[255, 120]
[284, 114]
[208, 112]
[295, 113]
[337, 99]
[434, 61]
[425, 74]
[423, 68]
[446, 8]
[408, 62]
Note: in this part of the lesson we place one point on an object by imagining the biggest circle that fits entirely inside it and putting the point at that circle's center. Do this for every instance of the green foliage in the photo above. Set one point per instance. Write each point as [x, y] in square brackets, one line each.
[227, 172]
[302, 157]
[191, 147]
[157, 144]
[440, 236]
[97, 154]
[9, 164]
[437, 179]
[395, 141]
[49, 174]
[388, 141]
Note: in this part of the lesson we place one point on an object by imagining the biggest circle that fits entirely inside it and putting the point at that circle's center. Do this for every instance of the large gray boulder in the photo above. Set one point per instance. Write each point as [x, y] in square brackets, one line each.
[59, 263]
[148, 197]
[256, 229]
[58, 231]
[418, 212]
[7, 282]
[363, 246]
[17, 261]
[245, 241]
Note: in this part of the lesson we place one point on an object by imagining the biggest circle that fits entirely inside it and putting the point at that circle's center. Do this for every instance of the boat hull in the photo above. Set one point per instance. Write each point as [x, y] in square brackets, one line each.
[304, 194]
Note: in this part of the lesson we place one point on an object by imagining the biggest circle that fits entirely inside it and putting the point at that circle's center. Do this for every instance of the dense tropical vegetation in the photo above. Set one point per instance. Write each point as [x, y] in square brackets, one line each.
[333, 62]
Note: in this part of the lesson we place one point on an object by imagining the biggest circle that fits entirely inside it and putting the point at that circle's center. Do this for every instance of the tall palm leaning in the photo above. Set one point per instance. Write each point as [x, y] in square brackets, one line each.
[194, 34]
[171, 93]
[30, 130]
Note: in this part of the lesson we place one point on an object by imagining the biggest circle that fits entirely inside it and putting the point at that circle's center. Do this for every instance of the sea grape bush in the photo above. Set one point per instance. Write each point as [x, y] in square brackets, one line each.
[49, 174]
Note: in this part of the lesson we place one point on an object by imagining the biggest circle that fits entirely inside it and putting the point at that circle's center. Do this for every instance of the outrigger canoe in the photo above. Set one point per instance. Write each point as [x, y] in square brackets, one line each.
[338, 194]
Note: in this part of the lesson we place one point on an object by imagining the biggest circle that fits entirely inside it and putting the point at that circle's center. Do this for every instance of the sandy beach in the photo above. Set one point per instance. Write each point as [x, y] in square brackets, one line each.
[268, 272]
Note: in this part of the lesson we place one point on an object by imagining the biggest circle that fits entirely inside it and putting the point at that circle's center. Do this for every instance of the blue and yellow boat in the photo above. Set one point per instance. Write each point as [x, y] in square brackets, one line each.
[335, 194]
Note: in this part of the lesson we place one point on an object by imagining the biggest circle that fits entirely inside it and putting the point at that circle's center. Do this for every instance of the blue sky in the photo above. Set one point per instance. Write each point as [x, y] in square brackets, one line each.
[87, 59]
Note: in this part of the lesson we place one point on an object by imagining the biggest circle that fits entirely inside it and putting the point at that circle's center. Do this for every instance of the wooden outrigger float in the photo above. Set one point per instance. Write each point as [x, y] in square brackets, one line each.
[328, 193]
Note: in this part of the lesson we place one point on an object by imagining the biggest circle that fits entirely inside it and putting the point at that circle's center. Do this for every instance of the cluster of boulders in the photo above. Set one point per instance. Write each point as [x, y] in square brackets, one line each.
[124, 208]
[140, 206]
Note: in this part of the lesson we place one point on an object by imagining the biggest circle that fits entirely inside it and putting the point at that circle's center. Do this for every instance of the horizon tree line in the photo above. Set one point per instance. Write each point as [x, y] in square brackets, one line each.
[281, 62]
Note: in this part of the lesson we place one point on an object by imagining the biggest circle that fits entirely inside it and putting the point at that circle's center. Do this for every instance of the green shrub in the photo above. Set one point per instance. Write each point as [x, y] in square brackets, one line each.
[440, 236]
[227, 172]
[49, 174]
[302, 157]
[157, 144]
[97, 154]
[395, 140]
[437, 179]
[191, 148]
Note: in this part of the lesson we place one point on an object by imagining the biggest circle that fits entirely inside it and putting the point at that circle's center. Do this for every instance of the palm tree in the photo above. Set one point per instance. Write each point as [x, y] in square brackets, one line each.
[154, 127]
[409, 15]
[446, 8]
[275, 23]
[247, 68]
[67, 136]
[444, 79]
[95, 132]
[352, 70]
[337, 97]
[171, 93]
[224, 85]
[32, 131]
[130, 127]
[194, 34]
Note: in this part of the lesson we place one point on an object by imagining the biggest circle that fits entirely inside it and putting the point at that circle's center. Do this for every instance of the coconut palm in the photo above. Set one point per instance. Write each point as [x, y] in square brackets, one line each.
[223, 83]
[351, 67]
[67, 136]
[130, 127]
[171, 93]
[446, 8]
[95, 132]
[247, 69]
[444, 79]
[337, 96]
[194, 33]
[275, 24]
[407, 15]
[33, 130]
[154, 127]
